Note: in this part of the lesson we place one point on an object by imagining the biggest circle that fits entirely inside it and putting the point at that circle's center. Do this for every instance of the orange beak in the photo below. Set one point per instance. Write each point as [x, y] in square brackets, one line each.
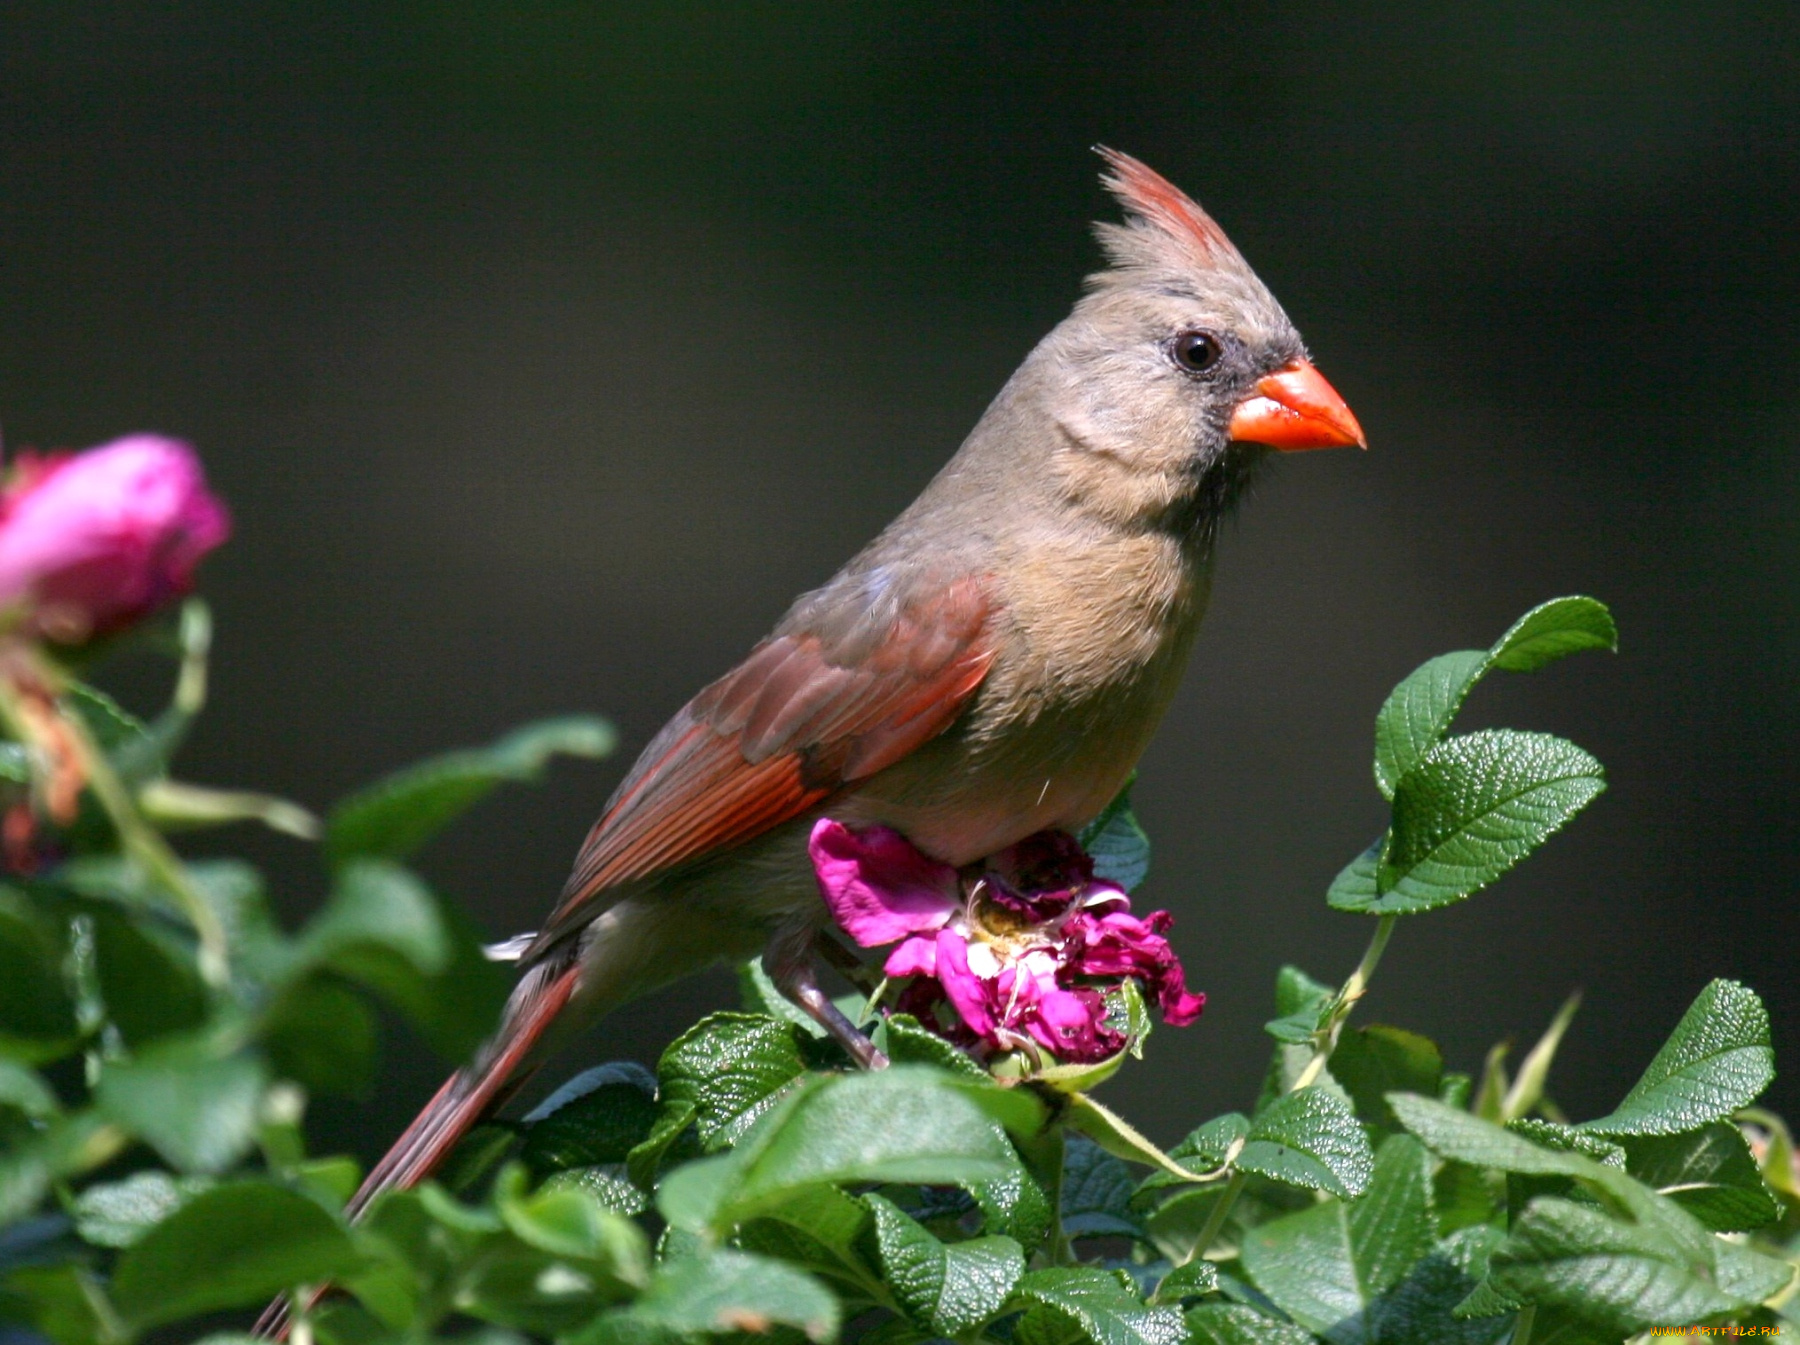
[1296, 408]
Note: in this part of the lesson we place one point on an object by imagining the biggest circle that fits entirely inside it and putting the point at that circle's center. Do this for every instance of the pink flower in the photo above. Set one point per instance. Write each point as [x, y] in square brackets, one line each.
[93, 541]
[1017, 949]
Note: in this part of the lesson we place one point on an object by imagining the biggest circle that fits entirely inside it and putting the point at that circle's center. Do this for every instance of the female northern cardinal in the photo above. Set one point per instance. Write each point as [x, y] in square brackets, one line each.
[992, 665]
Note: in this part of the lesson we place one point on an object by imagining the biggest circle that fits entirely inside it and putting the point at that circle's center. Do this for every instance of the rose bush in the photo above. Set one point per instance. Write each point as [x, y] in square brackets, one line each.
[160, 1036]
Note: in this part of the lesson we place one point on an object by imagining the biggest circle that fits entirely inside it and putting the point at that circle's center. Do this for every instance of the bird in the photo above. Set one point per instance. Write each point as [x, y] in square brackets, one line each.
[991, 666]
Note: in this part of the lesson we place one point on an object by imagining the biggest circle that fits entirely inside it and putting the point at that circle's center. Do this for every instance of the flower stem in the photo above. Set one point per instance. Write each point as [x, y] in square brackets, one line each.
[145, 844]
[1324, 1042]
[1522, 1327]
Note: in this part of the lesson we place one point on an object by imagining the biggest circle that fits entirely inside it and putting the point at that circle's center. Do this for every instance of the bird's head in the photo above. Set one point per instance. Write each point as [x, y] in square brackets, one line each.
[1178, 366]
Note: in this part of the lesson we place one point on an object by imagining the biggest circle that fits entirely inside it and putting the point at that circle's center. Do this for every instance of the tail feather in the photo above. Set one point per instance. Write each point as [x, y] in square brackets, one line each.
[467, 1096]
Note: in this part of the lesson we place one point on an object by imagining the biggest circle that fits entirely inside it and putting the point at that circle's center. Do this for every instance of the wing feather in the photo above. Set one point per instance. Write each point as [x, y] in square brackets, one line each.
[821, 704]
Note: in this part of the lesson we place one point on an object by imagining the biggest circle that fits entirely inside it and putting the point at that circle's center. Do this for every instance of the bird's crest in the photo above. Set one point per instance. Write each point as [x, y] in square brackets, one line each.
[1161, 215]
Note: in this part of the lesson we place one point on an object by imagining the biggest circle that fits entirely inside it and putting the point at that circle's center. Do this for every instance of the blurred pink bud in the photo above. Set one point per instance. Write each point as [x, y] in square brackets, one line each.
[91, 542]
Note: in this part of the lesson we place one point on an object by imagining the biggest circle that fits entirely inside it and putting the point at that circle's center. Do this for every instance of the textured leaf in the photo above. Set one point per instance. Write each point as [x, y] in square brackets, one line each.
[905, 1042]
[1238, 1324]
[395, 816]
[1419, 711]
[1626, 1277]
[1326, 1265]
[1310, 1139]
[821, 1230]
[1118, 843]
[1453, 1133]
[1552, 630]
[730, 1067]
[1095, 1303]
[1192, 1279]
[716, 1292]
[1418, 1310]
[931, 1131]
[605, 1183]
[198, 1111]
[945, 1288]
[1096, 1193]
[1473, 808]
[568, 1222]
[599, 1116]
[1709, 1172]
[1717, 1060]
[1371, 1062]
[117, 1214]
[233, 1246]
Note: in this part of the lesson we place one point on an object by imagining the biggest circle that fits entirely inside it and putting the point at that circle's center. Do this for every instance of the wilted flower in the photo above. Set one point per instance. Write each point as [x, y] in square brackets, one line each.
[90, 542]
[1022, 946]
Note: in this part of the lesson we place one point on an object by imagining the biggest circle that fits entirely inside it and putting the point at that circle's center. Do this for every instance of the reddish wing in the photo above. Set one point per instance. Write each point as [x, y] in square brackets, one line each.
[803, 716]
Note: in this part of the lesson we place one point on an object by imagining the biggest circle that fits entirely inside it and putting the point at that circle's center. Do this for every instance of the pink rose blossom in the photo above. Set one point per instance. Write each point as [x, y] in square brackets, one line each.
[1021, 946]
[91, 542]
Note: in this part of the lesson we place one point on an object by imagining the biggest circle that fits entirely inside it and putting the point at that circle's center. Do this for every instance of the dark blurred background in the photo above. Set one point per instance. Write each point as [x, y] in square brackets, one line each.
[544, 352]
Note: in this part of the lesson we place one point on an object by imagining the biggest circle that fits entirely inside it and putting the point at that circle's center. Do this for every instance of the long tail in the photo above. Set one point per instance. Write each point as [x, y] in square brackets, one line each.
[469, 1095]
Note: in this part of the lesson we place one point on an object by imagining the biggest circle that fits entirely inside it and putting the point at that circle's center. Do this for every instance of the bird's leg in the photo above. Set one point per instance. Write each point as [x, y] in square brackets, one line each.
[851, 967]
[788, 960]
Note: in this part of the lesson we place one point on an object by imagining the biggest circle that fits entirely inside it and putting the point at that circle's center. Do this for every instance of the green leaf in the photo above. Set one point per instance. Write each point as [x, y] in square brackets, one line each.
[904, 1041]
[1473, 808]
[384, 928]
[1209, 1145]
[1096, 1303]
[568, 1222]
[1419, 1310]
[1709, 1172]
[1301, 1003]
[672, 1124]
[1192, 1279]
[1624, 1276]
[932, 1131]
[1238, 1324]
[118, 1214]
[395, 816]
[197, 1110]
[823, 1231]
[37, 1016]
[1371, 1062]
[1326, 1265]
[1717, 1060]
[150, 983]
[604, 1183]
[945, 1288]
[1118, 844]
[22, 1088]
[233, 1246]
[599, 1116]
[1096, 1193]
[322, 1034]
[730, 1067]
[1119, 1137]
[1553, 630]
[1418, 712]
[1455, 1134]
[716, 1292]
[1310, 1138]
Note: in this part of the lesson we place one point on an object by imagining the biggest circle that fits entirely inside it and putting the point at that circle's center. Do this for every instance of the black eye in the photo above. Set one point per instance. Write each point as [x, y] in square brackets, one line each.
[1195, 351]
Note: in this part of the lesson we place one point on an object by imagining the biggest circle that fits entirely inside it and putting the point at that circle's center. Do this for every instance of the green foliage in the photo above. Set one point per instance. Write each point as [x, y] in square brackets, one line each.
[153, 1172]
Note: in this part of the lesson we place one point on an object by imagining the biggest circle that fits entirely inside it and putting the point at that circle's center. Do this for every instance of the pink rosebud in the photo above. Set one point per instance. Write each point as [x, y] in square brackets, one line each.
[91, 542]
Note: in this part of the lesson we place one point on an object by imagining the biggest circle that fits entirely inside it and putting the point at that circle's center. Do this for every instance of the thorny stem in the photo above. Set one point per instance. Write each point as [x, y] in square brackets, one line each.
[1324, 1042]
